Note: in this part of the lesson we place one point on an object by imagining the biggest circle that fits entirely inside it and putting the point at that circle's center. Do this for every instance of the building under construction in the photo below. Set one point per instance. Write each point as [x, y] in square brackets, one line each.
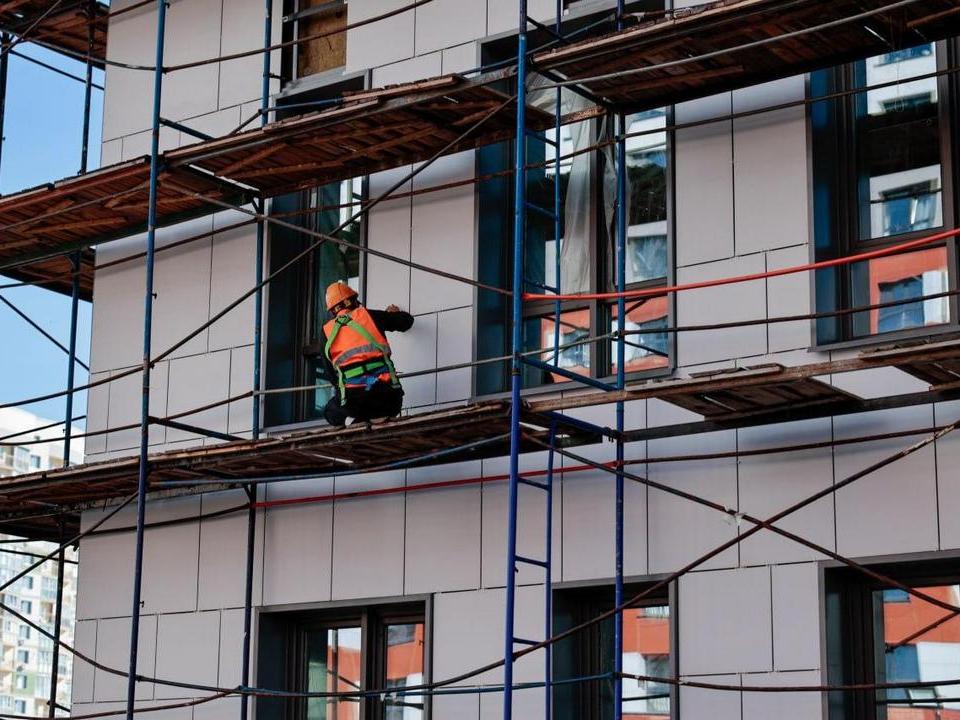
[679, 394]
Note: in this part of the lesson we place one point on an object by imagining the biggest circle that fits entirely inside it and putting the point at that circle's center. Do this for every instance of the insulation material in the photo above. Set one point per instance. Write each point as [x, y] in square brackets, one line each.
[323, 53]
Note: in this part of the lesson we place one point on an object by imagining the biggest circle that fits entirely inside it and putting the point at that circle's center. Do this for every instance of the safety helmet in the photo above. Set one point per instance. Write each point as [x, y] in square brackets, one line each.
[338, 292]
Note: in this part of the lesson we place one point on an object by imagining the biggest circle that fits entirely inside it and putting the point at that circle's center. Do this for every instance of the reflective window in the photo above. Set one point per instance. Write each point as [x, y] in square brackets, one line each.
[881, 175]
[570, 231]
[404, 668]
[916, 641]
[883, 635]
[898, 139]
[360, 649]
[647, 652]
[333, 665]
[296, 308]
[646, 345]
[896, 279]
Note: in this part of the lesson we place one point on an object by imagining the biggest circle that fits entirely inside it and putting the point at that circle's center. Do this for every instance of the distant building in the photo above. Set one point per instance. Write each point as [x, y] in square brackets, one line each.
[26, 657]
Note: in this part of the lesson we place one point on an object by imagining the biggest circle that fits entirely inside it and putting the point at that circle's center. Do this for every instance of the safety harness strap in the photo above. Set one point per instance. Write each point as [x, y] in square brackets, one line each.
[342, 321]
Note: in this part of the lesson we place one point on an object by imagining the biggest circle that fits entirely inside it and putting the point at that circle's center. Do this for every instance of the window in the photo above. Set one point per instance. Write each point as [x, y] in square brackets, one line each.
[648, 638]
[24, 632]
[877, 634]
[26, 607]
[45, 660]
[341, 651]
[21, 458]
[35, 462]
[21, 682]
[575, 253]
[28, 582]
[308, 18]
[20, 707]
[882, 176]
[297, 309]
[23, 657]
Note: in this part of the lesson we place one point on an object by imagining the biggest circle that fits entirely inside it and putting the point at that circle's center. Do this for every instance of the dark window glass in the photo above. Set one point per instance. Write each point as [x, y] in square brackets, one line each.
[583, 260]
[884, 635]
[881, 166]
[647, 647]
[365, 648]
[296, 309]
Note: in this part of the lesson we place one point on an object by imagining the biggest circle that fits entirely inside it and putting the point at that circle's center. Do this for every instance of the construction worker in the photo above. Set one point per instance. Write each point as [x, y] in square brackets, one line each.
[358, 358]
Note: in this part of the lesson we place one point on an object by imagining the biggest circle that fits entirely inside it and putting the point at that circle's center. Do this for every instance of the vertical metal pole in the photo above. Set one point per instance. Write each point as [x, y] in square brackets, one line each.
[257, 352]
[57, 623]
[620, 129]
[4, 71]
[548, 580]
[71, 356]
[147, 330]
[87, 91]
[519, 228]
[67, 436]
[258, 296]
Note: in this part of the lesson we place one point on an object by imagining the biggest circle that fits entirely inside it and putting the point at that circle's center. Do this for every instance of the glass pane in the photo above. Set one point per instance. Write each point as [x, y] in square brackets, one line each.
[576, 185]
[916, 643]
[336, 203]
[404, 669]
[646, 651]
[333, 665]
[647, 196]
[901, 277]
[542, 333]
[646, 346]
[898, 145]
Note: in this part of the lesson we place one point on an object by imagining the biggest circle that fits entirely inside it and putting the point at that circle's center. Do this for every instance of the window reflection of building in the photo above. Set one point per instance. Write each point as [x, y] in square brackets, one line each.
[933, 656]
[647, 651]
[882, 152]
[343, 652]
[884, 635]
[584, 260]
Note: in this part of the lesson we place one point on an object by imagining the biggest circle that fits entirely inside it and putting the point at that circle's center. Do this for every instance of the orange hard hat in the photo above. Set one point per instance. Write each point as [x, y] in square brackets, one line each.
[338, 292]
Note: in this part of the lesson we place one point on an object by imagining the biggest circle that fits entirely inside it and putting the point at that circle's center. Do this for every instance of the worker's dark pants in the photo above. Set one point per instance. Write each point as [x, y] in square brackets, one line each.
[380, 401]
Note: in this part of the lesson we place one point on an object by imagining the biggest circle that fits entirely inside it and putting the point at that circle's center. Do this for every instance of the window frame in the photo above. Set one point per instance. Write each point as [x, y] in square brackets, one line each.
[290, 30]
[844, 207]
[848, 624]
[601, 356]
[592, 599]
[329, 84]
[372, 616]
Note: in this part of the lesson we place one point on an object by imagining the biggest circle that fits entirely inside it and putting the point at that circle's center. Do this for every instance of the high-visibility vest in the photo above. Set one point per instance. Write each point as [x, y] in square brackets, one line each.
[358, 351]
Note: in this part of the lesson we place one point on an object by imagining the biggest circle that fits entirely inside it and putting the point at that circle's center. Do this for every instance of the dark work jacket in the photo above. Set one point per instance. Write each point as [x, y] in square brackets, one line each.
[399, 321]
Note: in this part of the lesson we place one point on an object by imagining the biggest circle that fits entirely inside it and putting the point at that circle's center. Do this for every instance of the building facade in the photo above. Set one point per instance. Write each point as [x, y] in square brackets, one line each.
[26, 667]
[394, 588]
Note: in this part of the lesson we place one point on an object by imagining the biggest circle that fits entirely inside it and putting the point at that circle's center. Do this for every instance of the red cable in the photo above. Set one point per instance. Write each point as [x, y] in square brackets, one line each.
[849, 259]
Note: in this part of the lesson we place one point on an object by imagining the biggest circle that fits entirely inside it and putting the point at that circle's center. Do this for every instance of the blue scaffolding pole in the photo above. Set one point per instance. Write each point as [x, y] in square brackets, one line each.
[147, 330]
[519, 231]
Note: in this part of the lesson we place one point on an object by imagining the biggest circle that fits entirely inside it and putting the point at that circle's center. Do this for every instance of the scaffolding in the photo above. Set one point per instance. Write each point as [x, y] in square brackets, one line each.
[645, 61]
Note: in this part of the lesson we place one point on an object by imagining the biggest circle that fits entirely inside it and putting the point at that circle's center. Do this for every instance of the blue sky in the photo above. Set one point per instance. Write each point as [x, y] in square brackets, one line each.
[42, 133]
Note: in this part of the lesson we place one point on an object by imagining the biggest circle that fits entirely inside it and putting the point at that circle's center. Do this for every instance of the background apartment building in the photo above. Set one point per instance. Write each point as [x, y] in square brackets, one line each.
[392, 589]
[26, 666]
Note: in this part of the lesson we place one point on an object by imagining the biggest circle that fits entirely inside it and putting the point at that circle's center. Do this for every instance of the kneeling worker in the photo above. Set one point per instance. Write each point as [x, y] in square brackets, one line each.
[359, 358]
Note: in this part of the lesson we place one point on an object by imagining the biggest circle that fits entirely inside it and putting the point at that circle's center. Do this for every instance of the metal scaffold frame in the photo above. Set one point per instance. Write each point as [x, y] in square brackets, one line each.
[517, 426]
